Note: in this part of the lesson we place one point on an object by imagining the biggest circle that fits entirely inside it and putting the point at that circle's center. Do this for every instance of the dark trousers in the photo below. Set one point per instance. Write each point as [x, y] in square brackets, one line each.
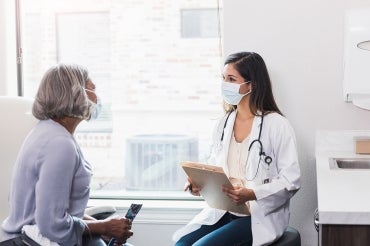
[229, 230]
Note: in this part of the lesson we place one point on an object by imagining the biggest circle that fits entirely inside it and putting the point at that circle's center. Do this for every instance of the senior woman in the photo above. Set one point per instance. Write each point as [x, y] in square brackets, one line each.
[51, 178]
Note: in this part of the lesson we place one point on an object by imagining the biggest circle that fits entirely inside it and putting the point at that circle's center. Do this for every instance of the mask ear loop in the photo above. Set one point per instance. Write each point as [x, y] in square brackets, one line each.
[250, 91]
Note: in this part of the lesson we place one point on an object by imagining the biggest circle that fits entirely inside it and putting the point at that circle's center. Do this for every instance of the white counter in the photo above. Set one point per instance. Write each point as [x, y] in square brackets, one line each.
[343, 194]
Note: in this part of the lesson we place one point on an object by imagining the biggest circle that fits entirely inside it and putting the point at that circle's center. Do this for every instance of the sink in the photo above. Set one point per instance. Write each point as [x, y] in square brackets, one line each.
[349, 163]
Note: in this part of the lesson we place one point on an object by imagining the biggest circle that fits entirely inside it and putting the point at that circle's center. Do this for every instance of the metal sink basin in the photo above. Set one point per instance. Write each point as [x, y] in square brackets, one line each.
[349, 163]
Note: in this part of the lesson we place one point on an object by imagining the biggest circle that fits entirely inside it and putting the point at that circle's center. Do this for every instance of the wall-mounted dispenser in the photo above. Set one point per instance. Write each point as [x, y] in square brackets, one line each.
[356, 86]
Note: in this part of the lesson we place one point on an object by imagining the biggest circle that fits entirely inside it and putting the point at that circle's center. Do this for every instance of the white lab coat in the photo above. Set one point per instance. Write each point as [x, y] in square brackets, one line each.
[270, 212]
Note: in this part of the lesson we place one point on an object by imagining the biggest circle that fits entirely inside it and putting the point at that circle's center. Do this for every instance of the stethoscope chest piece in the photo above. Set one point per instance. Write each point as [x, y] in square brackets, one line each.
[268, 159]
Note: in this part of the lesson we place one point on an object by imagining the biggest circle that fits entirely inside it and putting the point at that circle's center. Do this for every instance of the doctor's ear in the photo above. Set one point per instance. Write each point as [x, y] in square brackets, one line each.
[250, 87]
[245, 88]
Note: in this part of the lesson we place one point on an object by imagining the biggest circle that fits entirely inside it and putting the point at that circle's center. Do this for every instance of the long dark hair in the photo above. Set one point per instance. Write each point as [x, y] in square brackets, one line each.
[252, 68]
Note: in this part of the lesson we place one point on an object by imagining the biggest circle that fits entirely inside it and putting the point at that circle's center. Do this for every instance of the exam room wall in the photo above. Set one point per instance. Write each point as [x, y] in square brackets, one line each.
[302, 44]
[2, 48]
[8, 66]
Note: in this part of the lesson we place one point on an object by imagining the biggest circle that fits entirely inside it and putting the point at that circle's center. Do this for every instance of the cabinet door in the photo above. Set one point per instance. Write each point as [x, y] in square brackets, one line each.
[344, 235]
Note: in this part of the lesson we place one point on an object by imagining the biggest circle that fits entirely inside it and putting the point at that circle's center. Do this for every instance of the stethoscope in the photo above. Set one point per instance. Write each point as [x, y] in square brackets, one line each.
[267, 159]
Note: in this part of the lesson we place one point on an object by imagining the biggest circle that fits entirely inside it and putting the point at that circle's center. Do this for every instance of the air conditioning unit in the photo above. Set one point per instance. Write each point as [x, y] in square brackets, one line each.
[153, 161]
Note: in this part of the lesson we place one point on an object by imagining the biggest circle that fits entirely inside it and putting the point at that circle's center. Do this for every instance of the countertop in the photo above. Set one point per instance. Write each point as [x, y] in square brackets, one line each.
[343, 194]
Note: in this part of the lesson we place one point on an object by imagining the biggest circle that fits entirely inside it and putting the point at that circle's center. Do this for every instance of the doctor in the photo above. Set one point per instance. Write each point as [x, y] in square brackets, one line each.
[256, 146]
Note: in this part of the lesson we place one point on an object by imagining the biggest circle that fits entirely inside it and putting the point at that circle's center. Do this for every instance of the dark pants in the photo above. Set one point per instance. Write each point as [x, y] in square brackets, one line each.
[229, 230]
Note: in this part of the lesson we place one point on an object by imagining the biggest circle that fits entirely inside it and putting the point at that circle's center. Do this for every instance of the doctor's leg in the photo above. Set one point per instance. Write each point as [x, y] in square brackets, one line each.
[237, 232]
[191, 238]
[229, 230]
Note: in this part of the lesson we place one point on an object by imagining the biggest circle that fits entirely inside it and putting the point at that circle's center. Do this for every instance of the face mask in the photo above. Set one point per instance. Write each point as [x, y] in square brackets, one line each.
[96, 109]
[230, 92]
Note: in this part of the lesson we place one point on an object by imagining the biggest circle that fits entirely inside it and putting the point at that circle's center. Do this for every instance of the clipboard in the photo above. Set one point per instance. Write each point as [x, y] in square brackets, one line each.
[210, 179]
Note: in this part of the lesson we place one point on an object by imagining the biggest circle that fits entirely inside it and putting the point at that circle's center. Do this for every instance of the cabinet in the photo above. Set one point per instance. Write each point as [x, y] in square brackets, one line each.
[344, 235]
[342, 193]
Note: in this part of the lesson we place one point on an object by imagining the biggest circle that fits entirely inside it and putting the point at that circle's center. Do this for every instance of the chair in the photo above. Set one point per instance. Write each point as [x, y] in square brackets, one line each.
[291, 237]
[16, 122]
[100, 212]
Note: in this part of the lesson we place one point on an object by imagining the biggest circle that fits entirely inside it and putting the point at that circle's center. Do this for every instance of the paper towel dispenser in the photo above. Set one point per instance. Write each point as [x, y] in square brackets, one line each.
[356, 84]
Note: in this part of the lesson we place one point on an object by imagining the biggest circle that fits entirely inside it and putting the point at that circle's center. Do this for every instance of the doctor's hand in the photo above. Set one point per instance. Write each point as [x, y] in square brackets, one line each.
[239, 194]
[192, 188]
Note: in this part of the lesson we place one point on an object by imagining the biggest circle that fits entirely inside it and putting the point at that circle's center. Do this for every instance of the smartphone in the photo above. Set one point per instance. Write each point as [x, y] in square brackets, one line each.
[133, 211]
[130, 214]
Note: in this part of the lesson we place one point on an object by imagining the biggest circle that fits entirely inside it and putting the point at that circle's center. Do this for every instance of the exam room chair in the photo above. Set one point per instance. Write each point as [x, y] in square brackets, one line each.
[291, 237]
[16, 122]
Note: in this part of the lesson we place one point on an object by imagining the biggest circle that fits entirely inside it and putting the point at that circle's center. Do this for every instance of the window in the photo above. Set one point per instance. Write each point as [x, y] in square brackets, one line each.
[159, 89]
[199, 23]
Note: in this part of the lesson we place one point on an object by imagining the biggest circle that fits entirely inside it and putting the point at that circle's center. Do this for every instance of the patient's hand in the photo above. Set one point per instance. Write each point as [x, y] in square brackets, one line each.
[119, 228]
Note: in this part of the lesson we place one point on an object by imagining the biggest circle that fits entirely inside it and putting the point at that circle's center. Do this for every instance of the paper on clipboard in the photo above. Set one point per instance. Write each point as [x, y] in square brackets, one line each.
[211, 179]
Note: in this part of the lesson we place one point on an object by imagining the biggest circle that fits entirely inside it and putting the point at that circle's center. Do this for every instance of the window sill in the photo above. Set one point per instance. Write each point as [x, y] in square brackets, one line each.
[156, 211]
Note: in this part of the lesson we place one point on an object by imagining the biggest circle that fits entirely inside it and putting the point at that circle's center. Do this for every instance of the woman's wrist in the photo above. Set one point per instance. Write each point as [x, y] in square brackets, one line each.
[96, 227]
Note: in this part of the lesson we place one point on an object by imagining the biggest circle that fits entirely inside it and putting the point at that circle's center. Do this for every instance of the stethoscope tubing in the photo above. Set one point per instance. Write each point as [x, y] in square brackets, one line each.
[261, 153]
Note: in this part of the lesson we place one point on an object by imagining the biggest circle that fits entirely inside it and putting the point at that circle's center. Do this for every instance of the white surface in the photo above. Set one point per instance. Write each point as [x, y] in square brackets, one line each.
[342, 193]
[356, 60]
[17, 120]
[363, 103]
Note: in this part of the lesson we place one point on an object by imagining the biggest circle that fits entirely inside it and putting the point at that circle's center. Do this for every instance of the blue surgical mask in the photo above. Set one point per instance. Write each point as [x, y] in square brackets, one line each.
[96, 109]
[230, 92]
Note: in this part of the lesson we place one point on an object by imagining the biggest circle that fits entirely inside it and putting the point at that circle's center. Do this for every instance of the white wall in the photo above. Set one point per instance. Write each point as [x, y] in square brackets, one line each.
[8, 73]
[2, 47]
[302, 44]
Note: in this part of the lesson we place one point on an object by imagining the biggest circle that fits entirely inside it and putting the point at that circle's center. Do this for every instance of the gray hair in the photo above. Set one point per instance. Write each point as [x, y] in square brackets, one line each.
[61, 93]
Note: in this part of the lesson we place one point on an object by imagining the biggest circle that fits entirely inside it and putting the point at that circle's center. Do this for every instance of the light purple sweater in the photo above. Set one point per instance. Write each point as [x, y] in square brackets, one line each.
[50, 185]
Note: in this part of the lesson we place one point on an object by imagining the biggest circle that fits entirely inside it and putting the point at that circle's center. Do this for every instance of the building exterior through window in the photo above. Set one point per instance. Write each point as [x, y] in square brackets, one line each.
[156, 65]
